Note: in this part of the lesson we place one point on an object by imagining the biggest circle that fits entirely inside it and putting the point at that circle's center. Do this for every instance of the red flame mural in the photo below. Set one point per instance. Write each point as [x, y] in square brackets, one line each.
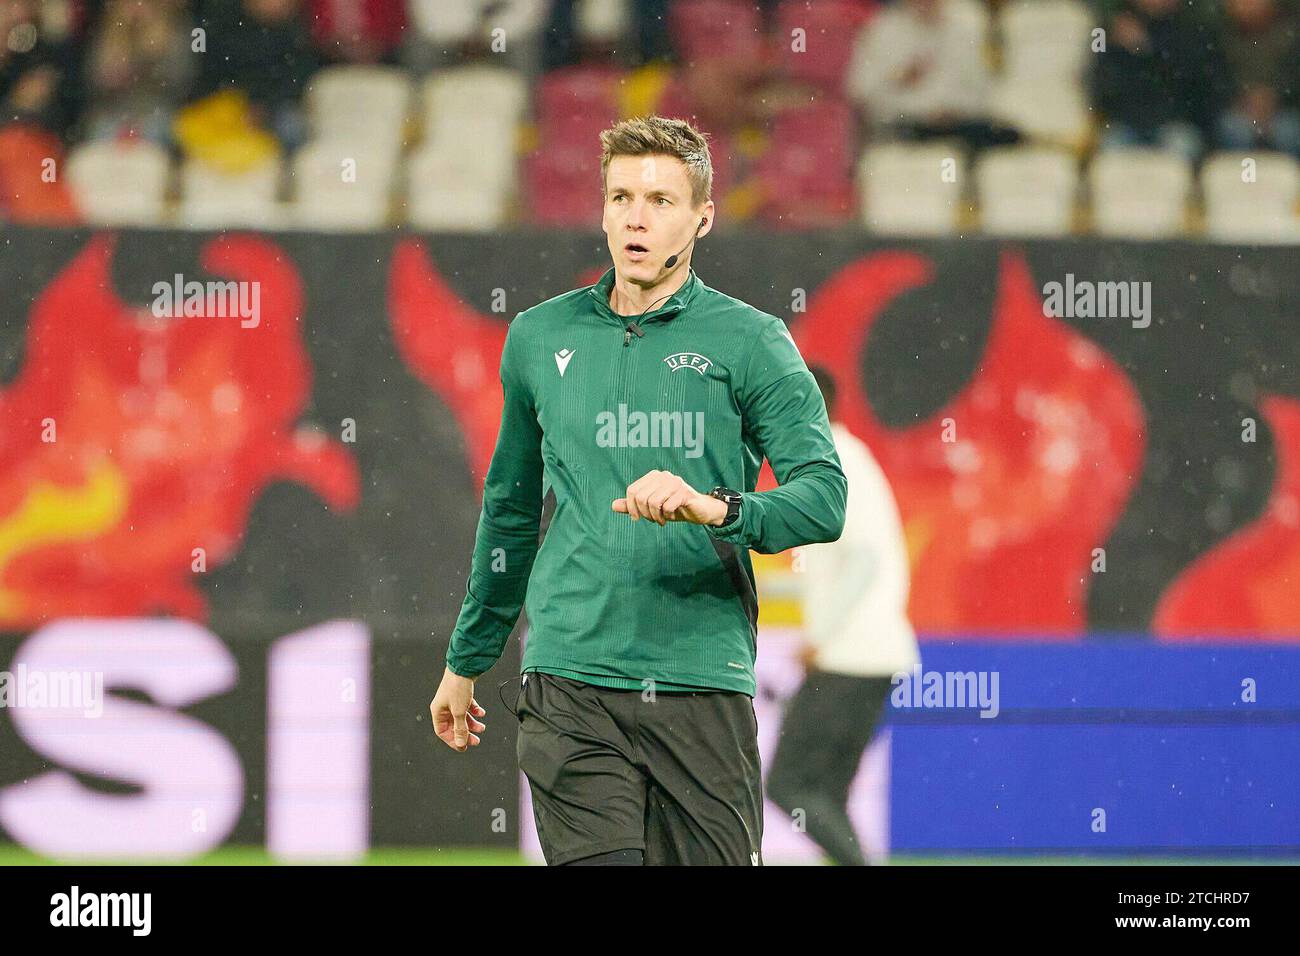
[1248, 587]
[426, 315]
[130, 440]
[1007, 489]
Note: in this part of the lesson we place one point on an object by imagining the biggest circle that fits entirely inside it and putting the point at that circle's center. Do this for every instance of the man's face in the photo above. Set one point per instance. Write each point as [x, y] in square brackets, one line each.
[648, 214]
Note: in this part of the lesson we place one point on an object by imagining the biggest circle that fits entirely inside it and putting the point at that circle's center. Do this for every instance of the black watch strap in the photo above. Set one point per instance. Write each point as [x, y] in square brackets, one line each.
[732, 500]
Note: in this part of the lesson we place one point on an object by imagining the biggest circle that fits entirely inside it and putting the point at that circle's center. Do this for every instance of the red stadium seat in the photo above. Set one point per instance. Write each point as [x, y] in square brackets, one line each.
[715, 29]
[577, 100]
[831, 29]
[807, 171]
[563, 179]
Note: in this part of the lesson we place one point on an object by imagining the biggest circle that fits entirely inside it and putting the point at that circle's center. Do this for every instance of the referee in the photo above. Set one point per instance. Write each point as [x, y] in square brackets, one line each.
[637, 414]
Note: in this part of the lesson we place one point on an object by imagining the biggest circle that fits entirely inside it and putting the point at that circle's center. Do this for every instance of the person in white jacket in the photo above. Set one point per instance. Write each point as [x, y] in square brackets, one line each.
[857, 637]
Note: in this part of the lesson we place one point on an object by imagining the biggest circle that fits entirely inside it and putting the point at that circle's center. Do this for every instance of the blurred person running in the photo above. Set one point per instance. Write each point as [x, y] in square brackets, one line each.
[857, 638]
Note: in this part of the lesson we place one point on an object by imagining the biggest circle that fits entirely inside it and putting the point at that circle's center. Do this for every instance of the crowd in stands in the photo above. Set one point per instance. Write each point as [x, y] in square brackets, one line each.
[484, 113]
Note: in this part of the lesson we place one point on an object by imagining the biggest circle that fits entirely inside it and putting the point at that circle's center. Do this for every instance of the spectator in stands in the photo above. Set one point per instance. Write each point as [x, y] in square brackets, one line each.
[918, 71]
[357, 31]
[262, 48]
[1263, 59]
[1159, 79]
[38, 70]
[140, 68]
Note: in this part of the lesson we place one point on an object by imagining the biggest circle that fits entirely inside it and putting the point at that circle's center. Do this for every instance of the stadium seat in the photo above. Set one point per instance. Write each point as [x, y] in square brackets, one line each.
[1040, 90]
[338, 186]
[976, 12]
[903, 189]
[449, 23]
[715, 29]
[1027, 191]
[214, 200]
[1051, 110]
[603, 21]
[1139, 193]
[450, 98]
[1045, 39]
[576, 103]
[806, 170]
[563, 181]
[119, 184]
[830, 30]
[452, 191]
[1251, 197]
[367, 104]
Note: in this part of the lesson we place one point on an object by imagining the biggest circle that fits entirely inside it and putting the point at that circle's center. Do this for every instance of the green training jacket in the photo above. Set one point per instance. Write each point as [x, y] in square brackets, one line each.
[707, 389]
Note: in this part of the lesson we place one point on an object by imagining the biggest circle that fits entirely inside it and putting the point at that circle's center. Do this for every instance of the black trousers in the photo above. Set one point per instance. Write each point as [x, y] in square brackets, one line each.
[828, 724]
[675, 775]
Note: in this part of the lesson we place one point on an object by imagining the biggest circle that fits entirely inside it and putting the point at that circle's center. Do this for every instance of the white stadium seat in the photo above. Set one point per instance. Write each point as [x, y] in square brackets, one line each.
[1139, 193]
[448, 23]
[453, 190]
[119, 184]
[1045, 39]
[602, 21]
[484, 95]
[1040, 90]
[1251, 197]
[1047, 109]
[462, 178]
[1027, 191]
[337, 185]
[360, 104]
[212, 199]
[904, 190]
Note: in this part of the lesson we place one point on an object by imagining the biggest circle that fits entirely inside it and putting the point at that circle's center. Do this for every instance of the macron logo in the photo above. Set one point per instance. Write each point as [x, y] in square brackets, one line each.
[562, 359]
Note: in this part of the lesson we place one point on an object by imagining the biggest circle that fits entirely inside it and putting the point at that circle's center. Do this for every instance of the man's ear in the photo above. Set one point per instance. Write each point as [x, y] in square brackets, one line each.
[707, 214]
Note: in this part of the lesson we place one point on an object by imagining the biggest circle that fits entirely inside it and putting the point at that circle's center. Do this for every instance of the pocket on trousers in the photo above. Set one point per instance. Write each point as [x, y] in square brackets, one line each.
[536, 744]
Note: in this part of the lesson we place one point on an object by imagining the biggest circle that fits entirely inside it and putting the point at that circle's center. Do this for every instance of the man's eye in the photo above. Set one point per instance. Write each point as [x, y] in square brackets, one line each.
[663, 200]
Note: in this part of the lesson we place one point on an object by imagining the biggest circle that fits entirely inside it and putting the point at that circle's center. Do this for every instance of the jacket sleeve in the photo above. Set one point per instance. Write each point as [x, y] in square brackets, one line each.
[505, 544]
[782, 410]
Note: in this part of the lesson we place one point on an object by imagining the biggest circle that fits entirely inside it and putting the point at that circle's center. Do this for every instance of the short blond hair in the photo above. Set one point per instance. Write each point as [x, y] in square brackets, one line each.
[658, 135]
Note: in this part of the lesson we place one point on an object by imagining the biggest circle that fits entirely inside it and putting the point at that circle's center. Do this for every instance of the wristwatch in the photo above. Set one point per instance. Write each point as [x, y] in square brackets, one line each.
[732, 499]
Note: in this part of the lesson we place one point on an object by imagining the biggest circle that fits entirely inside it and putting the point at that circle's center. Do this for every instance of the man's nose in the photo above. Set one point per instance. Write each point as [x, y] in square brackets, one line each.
[636, 216]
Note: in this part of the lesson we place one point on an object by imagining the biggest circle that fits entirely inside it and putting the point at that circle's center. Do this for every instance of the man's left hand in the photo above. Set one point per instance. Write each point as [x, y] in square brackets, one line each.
[662, 496]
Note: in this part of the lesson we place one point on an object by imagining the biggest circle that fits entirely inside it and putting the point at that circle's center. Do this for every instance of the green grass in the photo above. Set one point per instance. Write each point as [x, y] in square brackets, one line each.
[393, 856]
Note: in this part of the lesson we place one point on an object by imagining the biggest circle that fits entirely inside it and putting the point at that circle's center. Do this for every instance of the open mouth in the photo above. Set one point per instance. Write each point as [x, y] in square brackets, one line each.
[635, 251]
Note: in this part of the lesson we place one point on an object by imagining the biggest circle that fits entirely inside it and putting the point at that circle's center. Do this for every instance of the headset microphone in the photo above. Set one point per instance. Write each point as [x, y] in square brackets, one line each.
[672, 260]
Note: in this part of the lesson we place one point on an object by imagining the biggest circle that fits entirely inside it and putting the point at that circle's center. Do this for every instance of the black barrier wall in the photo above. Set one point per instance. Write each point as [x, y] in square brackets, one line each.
[1220, 332]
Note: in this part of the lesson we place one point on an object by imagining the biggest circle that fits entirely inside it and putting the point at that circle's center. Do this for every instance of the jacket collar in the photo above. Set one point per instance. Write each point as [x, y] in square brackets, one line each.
[678, 301]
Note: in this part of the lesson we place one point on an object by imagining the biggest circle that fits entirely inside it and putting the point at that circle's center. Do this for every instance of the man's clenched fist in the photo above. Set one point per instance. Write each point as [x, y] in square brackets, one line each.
[453, 709]
[662, 496]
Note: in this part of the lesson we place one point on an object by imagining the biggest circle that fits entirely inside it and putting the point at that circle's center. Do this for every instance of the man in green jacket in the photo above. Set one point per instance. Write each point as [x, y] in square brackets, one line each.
[637, 414]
